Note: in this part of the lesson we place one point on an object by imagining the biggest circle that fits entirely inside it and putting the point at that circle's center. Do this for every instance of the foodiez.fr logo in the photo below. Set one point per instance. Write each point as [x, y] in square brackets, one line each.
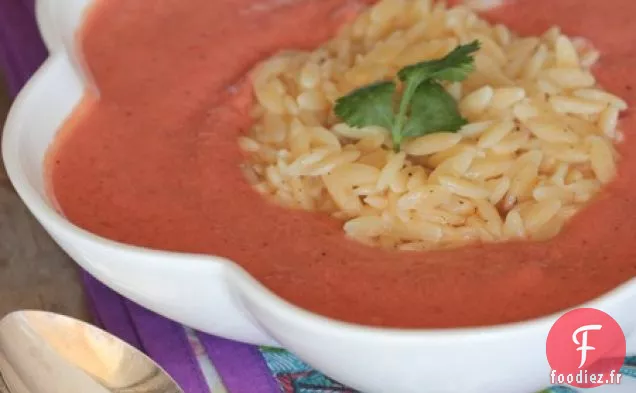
[586, 348]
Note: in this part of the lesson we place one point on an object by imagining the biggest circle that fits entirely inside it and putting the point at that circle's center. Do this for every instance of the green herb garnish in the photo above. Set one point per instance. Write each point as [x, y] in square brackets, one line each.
[424, 107]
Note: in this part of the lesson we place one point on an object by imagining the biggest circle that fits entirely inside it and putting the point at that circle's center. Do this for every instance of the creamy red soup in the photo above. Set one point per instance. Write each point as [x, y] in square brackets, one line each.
[154, 162]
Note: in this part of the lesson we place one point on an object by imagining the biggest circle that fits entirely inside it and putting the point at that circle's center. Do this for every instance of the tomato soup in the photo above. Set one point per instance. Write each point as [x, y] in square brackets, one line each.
[154, 162]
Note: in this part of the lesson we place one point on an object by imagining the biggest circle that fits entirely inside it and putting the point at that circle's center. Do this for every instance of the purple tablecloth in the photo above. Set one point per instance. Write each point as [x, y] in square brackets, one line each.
[21, 48]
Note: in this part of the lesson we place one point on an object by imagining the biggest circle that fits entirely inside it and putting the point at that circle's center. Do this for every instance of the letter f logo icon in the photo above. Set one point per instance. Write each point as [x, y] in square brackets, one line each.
[584, 348]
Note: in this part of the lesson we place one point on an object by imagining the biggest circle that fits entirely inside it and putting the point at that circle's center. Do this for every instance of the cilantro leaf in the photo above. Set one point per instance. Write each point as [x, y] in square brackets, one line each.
[433, 109]
[370, 105]
[424, 106]
[409, 90]
[453, 67]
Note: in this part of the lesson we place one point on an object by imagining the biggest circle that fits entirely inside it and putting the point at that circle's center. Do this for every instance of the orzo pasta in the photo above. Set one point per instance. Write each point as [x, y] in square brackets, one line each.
[539, 143]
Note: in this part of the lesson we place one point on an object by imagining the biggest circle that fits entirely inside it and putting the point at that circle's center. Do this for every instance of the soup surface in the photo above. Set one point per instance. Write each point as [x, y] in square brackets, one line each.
[155, 162]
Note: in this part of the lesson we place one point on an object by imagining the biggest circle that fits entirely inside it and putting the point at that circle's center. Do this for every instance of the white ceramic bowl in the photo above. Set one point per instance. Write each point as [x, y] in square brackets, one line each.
[216, 296]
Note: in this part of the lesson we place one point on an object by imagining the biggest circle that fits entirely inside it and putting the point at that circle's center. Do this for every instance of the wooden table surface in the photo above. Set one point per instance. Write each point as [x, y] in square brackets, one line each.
[34, 272]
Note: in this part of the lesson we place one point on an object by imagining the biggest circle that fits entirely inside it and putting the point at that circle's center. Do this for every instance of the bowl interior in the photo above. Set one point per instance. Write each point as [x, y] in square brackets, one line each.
[52, 101]
[49, 98]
